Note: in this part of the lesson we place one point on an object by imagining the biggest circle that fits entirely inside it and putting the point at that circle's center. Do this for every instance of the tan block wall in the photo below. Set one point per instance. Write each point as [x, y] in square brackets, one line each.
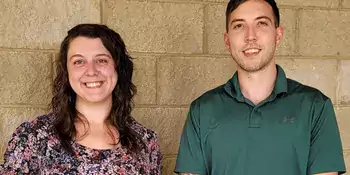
[179, 53]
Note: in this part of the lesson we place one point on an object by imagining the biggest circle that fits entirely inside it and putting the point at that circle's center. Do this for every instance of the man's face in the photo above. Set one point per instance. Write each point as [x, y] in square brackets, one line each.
[252, 35]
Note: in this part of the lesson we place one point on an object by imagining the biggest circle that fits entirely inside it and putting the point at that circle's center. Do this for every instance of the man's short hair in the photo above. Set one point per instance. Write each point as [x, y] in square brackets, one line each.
[233, 4]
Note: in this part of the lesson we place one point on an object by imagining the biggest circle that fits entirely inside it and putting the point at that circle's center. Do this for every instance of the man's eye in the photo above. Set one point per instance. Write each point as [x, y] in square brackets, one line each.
[263, 23]
[237, 26]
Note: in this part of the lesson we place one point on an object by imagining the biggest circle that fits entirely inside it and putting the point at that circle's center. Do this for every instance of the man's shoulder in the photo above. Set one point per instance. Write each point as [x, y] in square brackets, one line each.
[212, 96]
[308, 92]
[211, 105]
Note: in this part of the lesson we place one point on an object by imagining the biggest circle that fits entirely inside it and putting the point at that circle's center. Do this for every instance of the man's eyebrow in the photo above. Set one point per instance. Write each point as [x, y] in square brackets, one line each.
[258, 18]
[264, 17]
[236, 20]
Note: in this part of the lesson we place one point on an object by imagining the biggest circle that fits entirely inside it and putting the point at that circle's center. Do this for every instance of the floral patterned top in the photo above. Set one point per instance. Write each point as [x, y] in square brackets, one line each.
[34, 149]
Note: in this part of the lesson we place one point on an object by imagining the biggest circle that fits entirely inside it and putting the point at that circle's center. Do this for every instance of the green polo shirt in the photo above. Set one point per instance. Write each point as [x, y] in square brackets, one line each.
[293, 132]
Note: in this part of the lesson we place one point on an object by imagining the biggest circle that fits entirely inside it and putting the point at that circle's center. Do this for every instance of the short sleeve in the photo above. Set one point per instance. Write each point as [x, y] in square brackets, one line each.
[326, 154]
[155, 157]
[20, 152]
[190, 156]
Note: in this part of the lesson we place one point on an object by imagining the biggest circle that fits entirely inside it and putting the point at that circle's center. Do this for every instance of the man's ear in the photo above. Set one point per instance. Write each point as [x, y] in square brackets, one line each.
[280, 34]
[227, 41]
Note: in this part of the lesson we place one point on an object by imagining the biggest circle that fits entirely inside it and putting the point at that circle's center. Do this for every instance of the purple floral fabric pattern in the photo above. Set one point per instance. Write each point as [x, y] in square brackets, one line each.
[34, 149]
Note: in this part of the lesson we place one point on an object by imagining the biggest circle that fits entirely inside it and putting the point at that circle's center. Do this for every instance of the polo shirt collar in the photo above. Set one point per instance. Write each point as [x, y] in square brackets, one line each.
[233, 89]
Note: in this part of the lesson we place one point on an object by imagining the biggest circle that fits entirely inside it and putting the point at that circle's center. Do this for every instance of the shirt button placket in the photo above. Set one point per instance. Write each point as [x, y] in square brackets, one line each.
[255, 118]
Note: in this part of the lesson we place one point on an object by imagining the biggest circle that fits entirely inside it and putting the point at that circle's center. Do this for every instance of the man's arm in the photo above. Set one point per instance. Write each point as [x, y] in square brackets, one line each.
[190, 158]
[332, 173]
[326, 153]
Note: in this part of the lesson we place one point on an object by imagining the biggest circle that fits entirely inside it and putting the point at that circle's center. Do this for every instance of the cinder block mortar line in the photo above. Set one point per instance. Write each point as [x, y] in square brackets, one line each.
[297, 32]
[225, 3]
[53, 56]
[173, 1]
[157, 80]
[162, 55]
[342, 106]
[102, 12]
[337, 93]
[313, 57]
[313, 8]
[205, 35]
[341, 3]
[169, 156]
[161, 106]
[24, 106]
[28, 50]
[187, 106]
[219, 56]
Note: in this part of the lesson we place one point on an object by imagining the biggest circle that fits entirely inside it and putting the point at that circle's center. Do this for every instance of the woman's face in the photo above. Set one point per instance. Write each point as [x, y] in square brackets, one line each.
[91, 70]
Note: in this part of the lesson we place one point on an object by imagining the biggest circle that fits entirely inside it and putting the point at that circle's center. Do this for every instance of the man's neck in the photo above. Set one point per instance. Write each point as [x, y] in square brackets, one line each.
[257, 86]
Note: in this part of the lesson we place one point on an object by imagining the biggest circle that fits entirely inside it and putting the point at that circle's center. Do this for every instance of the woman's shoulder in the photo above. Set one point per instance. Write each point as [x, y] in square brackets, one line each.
[42, 120]
[25, 144]
[40, 126]
[30, 134]
[145, 132]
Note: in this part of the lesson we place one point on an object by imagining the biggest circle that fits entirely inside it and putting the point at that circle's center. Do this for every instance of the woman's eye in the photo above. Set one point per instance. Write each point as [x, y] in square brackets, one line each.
[78, 62]
[102, 61]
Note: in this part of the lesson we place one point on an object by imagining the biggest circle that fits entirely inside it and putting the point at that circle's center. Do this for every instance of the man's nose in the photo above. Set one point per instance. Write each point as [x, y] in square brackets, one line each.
[250, 34]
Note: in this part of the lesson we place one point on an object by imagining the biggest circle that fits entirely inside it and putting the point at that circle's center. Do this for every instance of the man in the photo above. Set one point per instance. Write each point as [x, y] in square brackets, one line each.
[259, 122]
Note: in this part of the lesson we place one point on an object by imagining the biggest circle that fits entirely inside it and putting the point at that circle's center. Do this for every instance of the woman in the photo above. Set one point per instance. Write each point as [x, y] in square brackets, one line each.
[90, 130]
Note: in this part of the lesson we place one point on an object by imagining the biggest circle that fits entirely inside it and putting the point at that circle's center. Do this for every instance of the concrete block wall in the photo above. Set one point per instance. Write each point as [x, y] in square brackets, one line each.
[179, 53]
